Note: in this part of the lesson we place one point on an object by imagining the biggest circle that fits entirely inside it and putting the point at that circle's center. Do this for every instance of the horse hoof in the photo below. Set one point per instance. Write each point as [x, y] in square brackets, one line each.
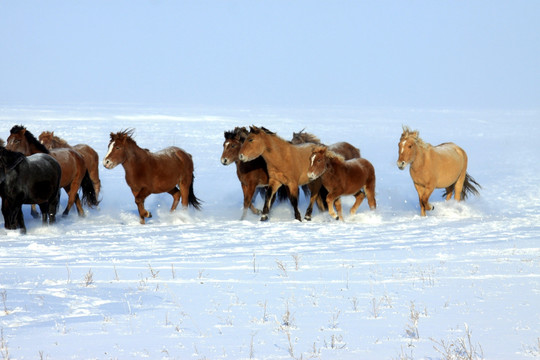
[308, 218]
[337, 218]
[264, 218]
[149, 215]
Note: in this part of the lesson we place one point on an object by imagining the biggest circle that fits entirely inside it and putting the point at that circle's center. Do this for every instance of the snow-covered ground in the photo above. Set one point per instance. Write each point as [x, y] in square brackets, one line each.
[386, 284]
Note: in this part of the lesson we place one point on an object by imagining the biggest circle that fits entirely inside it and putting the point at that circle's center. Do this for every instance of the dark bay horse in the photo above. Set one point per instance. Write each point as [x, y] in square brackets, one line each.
[28, 180]
[343, 177]
[74, 172]
[90, 156]
[252, 174]
[342, 148]
[169, 170]
[286, 163]
[431, 167]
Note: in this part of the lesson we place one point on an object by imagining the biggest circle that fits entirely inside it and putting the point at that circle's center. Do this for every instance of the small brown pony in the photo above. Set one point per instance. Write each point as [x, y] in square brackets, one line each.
[343, 177]
[90, 156]
[342, 148]
[431, 167]
[152, 173]
[74, 172]
[252, 174]
[286, 163]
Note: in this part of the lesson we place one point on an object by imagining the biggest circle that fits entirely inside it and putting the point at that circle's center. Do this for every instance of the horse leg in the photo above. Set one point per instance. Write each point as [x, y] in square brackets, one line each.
[293, 196]
[330, 198]
[139, 200]
[248, 191]
[359, 196]
[423, 194]
[20, 219]
[184, 185]
[176, 197]
[458, 186]
[314, 188]
[44, 208]
[33, 211]
[369, 191]
[339, 209]
[273, 187]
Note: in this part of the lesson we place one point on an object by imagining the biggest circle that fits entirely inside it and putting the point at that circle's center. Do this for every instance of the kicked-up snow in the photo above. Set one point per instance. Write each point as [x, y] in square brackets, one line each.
[384, 284]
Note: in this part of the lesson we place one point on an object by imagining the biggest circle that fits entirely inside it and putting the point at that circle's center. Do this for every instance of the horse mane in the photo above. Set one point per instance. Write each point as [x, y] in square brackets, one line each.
[239, 133]
[126, 134]
[29, 137]
[414, 134]
[304, 137]
[57, 141]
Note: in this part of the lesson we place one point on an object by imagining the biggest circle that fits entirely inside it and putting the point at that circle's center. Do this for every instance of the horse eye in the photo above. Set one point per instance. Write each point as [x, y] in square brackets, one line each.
[250, 140]
[410, 146]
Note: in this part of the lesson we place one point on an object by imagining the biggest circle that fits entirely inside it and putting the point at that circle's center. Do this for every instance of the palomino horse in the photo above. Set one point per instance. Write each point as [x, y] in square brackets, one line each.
[343, 177]
[152, 173]
[90, 156]
[74, 172]
[441, 166]
[252, 174]
[342, 148]
[28, 180]
[286, 163]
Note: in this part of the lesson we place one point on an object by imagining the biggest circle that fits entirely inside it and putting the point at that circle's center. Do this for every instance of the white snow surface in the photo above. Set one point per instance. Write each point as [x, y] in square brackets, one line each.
[386, 284]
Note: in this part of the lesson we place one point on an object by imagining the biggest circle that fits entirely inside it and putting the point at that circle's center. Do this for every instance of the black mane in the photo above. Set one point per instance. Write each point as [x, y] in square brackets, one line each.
[30, 137]
[9, 159]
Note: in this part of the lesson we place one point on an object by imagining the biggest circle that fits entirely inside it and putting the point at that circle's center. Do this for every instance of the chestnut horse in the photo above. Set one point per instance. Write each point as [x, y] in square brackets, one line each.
[169, 170]
[253, 174]
[342, 177]
[342, 148]
[74, 172]
[441, 166]
[286, 163]
[90, 156]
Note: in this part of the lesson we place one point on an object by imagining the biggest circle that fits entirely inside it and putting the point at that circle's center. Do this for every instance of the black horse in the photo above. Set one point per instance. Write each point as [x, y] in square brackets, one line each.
[28, 180]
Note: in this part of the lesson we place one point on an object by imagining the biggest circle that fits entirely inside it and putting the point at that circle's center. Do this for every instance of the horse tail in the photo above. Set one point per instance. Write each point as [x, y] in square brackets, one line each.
[89, 196]
[470, 186]
[282, 193]
[192, 199]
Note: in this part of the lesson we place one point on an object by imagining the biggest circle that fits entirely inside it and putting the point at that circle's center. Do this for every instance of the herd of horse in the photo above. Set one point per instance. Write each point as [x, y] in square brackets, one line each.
[33, 170]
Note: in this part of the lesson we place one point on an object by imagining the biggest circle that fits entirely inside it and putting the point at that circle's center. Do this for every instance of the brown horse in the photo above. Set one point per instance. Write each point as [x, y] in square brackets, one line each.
[342, 148]
[74, 172]
[252, 174]
[441, 166]
[152, 173]
[342, 177]
[286, 163]
[90, 156]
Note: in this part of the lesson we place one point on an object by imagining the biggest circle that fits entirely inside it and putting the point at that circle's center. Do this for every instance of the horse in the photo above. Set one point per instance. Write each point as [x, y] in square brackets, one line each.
[286, 163]
[431, 167]
[253, 174]
[342, 148]
[28, 180]
[342, 177]
[152, 173]
[74, 172]
[90, 156]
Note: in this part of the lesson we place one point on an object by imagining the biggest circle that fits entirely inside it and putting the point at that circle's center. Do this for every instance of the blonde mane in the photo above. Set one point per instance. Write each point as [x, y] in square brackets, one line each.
[415, 135]
[329, 153]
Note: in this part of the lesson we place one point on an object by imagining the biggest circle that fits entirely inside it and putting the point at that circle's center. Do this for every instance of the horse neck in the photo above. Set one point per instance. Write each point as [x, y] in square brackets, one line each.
[274, 149]
[59, 143]
[420, 157]
[135, 154]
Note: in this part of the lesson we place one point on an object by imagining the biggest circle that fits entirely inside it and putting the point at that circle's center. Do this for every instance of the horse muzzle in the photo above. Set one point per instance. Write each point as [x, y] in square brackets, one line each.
[401, 165]
[225, 161]
[108, 164]
[243, 158]
[311, 176]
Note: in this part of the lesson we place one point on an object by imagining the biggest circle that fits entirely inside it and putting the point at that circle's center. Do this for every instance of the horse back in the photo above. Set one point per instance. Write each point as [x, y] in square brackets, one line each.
[444, 163]
[173, 159]
[345, 149]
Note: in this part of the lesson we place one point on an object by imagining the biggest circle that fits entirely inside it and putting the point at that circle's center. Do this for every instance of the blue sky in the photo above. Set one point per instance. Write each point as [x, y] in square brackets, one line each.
[458, 54]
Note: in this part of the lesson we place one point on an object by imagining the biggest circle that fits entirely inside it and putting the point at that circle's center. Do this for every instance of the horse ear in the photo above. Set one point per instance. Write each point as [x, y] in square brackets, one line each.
[2, 143]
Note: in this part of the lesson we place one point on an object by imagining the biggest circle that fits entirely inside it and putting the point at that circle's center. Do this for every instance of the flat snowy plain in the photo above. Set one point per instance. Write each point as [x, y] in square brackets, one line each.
[386, 284]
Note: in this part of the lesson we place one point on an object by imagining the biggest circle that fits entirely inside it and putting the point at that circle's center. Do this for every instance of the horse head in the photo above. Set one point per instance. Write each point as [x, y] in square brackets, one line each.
[116, 153]
[317, 165]
[232, 144]
[23, 141]
[46, 138]
[254, 144]
[407, 147]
